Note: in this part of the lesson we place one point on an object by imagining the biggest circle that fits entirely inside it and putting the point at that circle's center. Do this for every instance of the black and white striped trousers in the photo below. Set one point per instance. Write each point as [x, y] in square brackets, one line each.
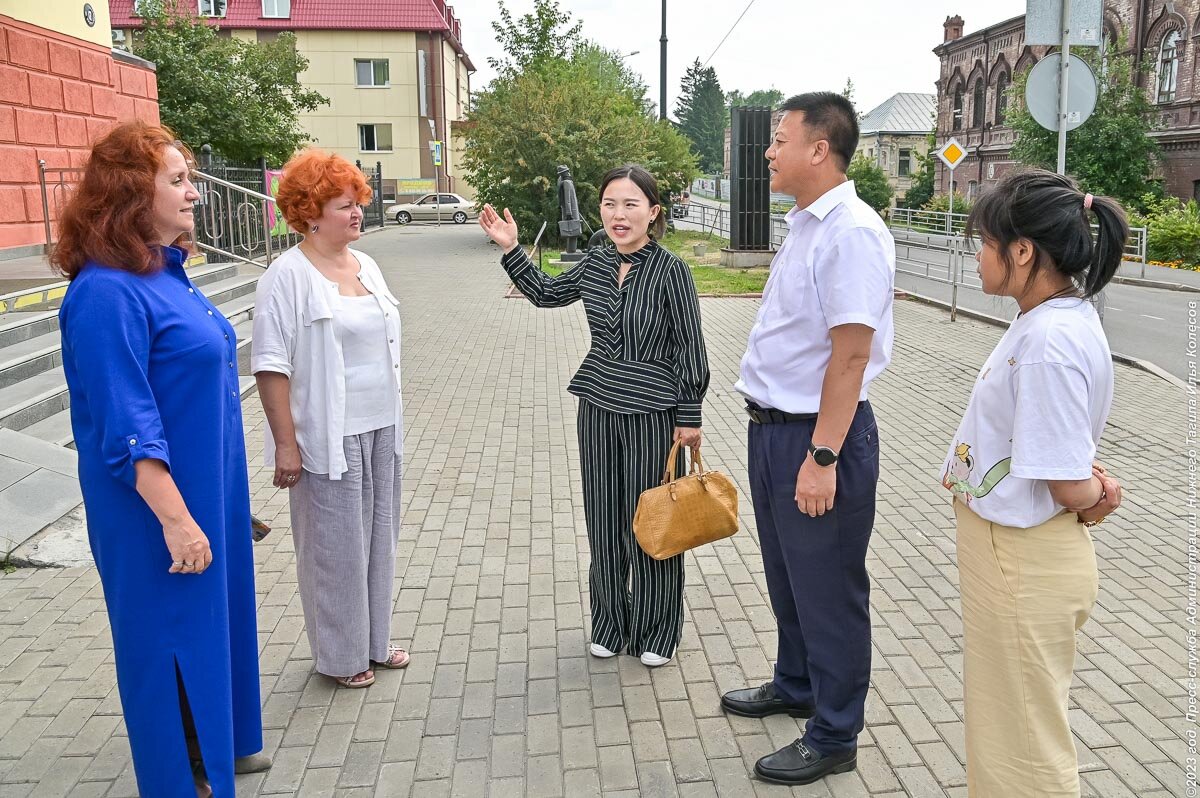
[637, 601]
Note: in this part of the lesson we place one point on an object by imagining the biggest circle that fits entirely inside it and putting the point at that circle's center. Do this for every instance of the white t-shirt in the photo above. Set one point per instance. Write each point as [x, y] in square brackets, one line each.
[1036, 413]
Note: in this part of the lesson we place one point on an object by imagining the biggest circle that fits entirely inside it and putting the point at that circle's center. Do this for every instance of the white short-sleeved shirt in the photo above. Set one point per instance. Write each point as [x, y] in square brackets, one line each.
[294, 335]
[1036, 413]
[837, 266]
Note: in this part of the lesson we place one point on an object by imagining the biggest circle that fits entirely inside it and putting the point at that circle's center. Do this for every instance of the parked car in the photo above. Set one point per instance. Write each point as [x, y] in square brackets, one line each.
[450, 207]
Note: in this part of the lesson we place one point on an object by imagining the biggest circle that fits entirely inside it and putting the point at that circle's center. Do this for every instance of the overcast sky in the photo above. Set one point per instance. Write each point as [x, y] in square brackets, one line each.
[883, 46]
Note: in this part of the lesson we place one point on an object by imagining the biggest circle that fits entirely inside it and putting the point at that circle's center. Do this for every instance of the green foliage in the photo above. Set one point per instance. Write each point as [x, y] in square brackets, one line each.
[920, 190]
[242, 98]
[702, 115]
[870, 182]
[1109, 154]
[583, 110]
[535, 40]
[759, 98]
[1172, 229]
[848, 90]
[941, 203]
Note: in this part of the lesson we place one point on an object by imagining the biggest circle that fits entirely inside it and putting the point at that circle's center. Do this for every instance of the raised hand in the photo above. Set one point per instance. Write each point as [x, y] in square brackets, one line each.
[502, 231]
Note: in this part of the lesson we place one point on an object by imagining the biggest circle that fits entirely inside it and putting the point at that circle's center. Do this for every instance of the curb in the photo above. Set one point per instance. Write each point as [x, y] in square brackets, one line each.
[1141, 282]
[1126, 360]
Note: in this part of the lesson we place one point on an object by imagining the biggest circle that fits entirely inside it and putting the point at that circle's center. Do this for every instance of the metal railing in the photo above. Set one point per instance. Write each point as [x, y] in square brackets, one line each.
[238, 222]
[921, 222]
[54, 194]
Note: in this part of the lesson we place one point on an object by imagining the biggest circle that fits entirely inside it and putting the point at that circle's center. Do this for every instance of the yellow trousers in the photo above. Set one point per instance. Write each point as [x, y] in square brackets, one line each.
[1025, 592]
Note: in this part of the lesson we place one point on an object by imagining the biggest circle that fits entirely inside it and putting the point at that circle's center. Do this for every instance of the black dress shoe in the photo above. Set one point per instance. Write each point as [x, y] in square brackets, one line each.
[799, 764]
[759, 702]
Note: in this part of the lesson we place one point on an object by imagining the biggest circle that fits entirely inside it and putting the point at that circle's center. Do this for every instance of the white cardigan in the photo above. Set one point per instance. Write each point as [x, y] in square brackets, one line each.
[294, 336]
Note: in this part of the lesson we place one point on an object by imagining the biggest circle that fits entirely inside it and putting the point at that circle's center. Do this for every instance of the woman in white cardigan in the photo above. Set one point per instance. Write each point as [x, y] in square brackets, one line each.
[326, 355]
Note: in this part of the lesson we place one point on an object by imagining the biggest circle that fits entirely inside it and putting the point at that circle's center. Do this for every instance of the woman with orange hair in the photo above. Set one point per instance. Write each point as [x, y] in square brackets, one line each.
[156, 413]
[326, 354]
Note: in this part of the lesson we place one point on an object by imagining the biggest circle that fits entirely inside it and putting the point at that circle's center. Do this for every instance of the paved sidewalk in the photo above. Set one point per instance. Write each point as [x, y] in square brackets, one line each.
[501, 698]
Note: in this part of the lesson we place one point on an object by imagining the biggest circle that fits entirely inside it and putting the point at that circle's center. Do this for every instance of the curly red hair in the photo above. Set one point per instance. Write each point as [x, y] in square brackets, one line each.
[109, 217]
[312, 178]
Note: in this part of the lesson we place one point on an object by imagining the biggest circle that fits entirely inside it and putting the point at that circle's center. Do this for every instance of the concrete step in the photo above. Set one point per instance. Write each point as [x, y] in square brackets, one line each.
[211, 272]
[24, 359]
[22, 326]
[54, 429]
[231, 288]
[33, 399]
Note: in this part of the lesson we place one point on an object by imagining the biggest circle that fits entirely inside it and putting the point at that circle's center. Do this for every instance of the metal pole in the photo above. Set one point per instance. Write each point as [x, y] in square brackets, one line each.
[662, 69]
[45, 206]
[1063, 79]
[950, 214]
[955, 272]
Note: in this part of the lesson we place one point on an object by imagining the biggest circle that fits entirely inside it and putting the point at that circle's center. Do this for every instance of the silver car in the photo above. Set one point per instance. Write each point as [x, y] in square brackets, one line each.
[449, 207]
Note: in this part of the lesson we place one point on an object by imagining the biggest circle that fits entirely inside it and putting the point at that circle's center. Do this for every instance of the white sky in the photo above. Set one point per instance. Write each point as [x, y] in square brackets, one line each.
[884, 46]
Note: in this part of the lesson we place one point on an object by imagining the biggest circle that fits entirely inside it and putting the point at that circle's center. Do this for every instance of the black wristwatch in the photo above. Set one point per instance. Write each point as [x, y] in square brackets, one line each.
[823, 455]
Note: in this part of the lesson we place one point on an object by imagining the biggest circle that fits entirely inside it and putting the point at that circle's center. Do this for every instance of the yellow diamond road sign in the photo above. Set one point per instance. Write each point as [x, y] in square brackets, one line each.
[952, 153]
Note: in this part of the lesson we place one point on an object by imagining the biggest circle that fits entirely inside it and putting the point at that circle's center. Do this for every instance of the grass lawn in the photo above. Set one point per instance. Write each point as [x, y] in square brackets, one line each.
[711, 278]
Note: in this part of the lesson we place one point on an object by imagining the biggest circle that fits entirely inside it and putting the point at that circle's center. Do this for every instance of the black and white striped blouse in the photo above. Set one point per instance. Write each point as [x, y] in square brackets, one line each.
[647, 350]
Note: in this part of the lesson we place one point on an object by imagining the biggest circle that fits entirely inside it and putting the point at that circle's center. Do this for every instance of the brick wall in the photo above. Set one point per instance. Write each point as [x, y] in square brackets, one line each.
[57, 95]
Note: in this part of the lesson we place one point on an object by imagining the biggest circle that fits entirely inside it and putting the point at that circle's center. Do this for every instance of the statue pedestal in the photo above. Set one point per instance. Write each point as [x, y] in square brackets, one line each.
[746, 259]
[572, 257]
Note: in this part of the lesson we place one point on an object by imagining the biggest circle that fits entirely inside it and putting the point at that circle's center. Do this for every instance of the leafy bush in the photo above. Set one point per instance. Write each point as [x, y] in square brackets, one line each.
[941, 203]
[1173, 230]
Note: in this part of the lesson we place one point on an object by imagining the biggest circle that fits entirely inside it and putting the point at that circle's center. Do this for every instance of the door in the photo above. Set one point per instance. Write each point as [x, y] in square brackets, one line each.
[426, 207]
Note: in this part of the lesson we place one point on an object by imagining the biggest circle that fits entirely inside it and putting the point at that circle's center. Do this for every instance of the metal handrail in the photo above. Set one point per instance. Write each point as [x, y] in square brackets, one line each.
[234, 186]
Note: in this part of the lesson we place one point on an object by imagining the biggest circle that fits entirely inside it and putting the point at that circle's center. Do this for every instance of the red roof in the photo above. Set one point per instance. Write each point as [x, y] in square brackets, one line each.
[414, 15]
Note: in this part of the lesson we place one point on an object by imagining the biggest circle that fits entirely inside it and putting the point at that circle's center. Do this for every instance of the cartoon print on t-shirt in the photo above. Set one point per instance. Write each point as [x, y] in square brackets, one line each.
[958, 474]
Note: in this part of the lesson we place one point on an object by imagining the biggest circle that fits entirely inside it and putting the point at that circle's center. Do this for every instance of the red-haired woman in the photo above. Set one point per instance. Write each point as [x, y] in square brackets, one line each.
[156, 413]
[326, 354]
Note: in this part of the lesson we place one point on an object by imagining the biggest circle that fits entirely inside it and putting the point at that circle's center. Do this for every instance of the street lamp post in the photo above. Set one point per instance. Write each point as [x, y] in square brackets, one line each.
[662, 66]
[600, 65]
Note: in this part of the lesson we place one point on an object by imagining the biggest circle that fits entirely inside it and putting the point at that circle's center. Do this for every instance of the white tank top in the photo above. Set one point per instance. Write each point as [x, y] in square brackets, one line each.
[370, 388]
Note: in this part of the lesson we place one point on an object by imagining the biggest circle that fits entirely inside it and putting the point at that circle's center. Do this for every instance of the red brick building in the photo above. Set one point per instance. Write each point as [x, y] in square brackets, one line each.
[977, 68]
[58, 93]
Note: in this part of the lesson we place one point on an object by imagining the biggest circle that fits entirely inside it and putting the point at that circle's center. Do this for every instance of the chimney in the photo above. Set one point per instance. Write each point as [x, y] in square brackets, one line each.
[954, 28]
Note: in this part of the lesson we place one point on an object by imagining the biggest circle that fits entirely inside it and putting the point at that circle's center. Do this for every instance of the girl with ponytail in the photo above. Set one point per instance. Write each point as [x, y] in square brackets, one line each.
[1025, 482]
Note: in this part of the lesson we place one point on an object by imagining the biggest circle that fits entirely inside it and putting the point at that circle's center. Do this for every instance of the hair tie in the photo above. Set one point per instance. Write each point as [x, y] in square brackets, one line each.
[1087, 202]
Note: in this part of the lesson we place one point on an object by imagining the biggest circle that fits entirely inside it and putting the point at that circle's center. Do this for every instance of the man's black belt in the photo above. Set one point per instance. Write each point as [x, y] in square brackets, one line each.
[769, 415]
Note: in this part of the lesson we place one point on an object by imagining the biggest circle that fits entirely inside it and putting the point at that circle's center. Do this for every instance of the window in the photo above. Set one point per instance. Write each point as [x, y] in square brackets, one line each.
[1001, 97]
[118, 40]
[212, 8]
[447, 198]
[429, 199]
[1168, 67]
[371, 72]
[958, 108]
[375, 138]
[972, 189]
[904, 166]
[279, 9]
[978, 103]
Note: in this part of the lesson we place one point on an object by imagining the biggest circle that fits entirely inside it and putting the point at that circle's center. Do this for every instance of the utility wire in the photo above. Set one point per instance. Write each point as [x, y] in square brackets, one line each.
[735, 24]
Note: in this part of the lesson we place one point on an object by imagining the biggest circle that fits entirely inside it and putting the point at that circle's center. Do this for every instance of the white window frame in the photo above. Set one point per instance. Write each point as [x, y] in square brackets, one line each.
[1167, 79]
[213, 5]
[373, 62]
[362, 141]
[282, 9]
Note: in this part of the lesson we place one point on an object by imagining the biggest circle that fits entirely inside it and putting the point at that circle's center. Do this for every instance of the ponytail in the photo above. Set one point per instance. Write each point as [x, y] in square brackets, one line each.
[1108, 248]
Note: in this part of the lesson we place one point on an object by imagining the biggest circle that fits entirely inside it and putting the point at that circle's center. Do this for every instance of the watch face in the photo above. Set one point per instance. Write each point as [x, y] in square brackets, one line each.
[824, 457]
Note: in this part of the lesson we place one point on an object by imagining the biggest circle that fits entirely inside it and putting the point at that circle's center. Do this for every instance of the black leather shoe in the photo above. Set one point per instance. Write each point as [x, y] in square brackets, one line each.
[759, 702]
[799, 764]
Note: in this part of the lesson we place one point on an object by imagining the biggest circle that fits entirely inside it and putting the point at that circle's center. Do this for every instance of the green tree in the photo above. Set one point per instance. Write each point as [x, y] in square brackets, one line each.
[759, 98]
[700, 110]
[1110, 153]
[848, 90]
[535, 40]
[578, 109]
[870, 182]
[920, 191]
[242, 98]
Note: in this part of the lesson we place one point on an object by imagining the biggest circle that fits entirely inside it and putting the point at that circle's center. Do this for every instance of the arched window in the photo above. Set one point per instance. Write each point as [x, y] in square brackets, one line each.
[958, 108]
[1168, 67]
[978, 103]
[1001, 97]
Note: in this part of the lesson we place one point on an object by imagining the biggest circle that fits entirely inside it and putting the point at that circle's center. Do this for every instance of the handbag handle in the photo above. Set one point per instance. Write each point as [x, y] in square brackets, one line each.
[697, 465]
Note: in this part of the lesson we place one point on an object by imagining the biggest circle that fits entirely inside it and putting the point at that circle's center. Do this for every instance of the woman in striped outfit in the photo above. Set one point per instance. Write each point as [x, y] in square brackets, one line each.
[640, 388]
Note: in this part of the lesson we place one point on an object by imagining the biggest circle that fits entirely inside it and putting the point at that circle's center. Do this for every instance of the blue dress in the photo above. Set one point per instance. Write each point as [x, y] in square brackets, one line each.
[151, 366]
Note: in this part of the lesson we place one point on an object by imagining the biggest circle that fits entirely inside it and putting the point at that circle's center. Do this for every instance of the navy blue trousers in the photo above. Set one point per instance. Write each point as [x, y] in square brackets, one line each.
[816, 571]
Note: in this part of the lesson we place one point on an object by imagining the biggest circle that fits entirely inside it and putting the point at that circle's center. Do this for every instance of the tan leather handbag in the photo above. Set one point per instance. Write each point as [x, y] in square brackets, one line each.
[687, 512]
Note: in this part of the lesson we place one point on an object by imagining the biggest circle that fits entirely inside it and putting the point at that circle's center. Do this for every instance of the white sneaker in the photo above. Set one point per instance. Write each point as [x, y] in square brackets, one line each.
[597, 650]
[652, 660]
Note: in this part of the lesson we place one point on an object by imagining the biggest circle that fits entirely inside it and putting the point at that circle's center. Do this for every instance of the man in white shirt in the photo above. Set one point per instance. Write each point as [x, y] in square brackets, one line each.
[823, 333]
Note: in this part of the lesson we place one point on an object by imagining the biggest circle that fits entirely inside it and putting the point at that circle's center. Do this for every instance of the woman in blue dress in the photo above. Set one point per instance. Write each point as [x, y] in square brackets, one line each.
[151, 366]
